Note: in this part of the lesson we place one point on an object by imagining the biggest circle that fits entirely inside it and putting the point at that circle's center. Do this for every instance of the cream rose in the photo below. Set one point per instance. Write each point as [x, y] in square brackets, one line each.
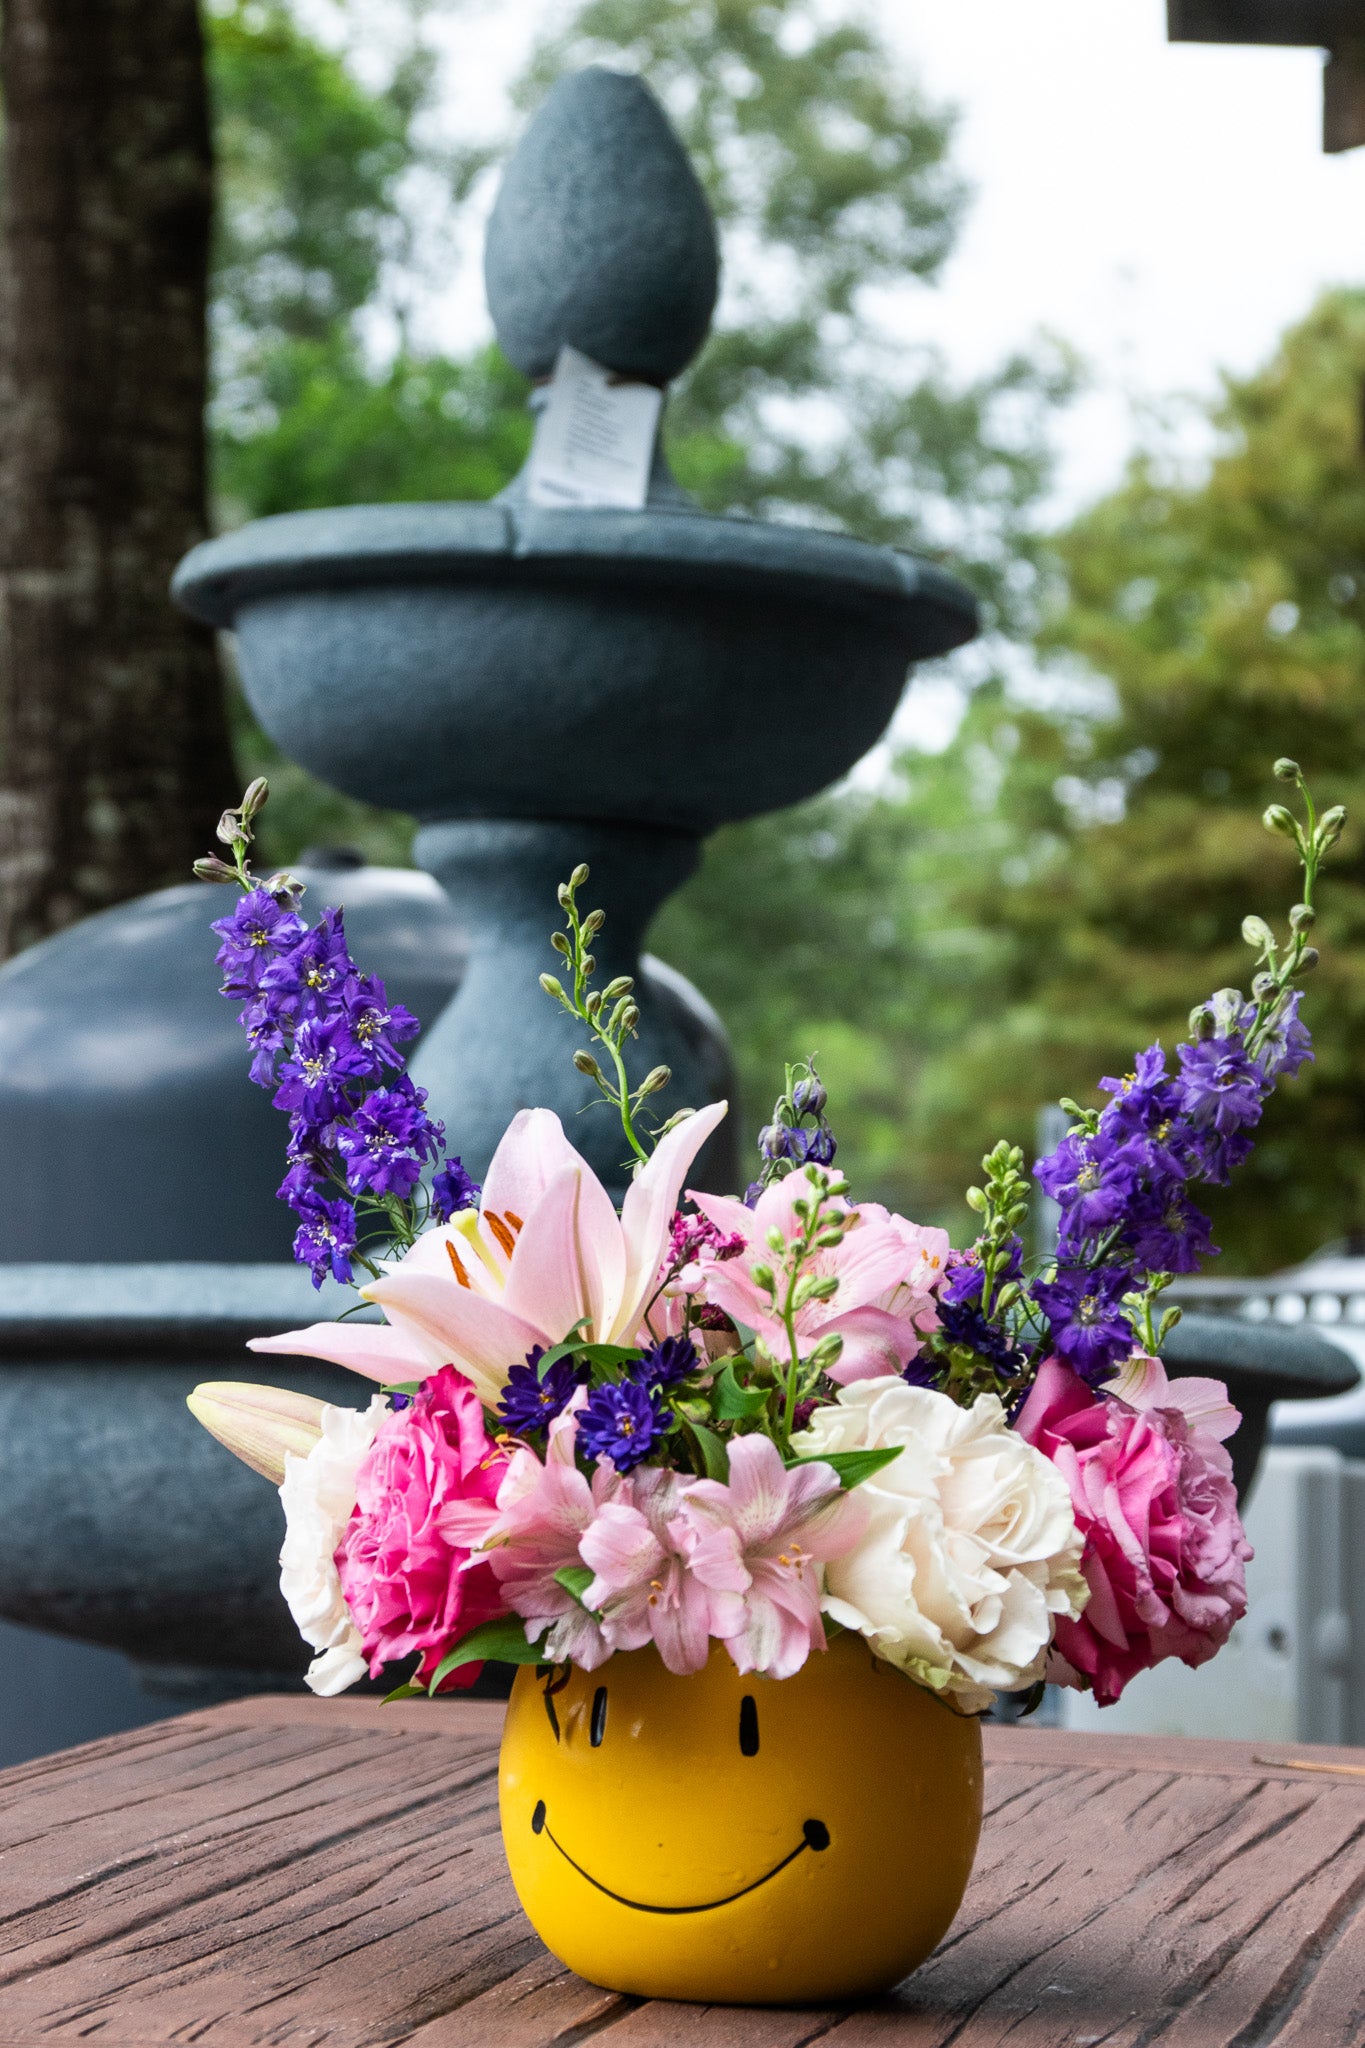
[971, 1546]
[319, 1495]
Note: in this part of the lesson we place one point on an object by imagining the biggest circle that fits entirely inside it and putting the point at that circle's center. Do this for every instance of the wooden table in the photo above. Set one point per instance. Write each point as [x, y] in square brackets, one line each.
[328, 1873]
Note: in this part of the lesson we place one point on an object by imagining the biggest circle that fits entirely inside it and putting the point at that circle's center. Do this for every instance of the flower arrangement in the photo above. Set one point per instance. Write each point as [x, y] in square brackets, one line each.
[756, 1420]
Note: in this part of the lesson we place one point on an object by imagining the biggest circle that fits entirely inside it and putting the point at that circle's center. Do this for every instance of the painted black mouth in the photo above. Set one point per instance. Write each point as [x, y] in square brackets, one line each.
[814, 1835]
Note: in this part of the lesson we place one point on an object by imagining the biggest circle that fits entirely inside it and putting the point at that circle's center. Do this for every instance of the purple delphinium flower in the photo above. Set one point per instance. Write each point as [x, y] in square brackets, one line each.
[1168, 1234]
[325, 1238]
[1289, 1044]
[321, 1060]
[452, 1189]
[532, 1402]
[377, 1025]
[665, 1364]
[388, 1140]
[311, 977]
[259, 931]
[1222, 1088]
[624, 1422]
[1093, 1179]
[1088, 1329]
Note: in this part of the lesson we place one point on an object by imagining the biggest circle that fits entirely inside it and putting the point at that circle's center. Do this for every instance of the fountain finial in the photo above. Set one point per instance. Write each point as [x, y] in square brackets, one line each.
[601, 236]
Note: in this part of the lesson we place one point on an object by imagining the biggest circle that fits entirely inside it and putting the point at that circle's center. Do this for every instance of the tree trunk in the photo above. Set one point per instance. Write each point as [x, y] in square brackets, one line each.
[114, 751]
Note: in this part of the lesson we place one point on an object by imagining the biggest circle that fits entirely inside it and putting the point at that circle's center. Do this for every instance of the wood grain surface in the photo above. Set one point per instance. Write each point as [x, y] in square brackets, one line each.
[328, 1874]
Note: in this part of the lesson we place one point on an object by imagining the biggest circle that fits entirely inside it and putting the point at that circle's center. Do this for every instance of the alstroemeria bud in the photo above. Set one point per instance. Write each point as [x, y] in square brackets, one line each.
[1277, 819]
[258, 1424]
[1303, 917]
[1287, 770]
[1257, 933]
[586, 1064]
[1329, 827]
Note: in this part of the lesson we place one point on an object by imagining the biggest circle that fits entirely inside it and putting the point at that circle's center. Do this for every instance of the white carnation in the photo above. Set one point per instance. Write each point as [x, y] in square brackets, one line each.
[319, 1495]
[971, 1546]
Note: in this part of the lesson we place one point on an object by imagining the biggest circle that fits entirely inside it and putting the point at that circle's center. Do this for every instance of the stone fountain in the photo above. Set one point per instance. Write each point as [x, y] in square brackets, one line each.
[539, 686]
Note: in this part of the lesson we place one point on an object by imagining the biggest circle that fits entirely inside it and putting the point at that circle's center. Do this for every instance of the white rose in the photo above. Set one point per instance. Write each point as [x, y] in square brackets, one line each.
[319, 1495]
[971, 1546]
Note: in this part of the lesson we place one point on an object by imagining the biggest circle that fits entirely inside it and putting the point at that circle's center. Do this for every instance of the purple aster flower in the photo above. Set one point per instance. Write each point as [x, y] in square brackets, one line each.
[322, 1059]
[377, 1024]
[665, 1364]
[530, 1401]
[452, 1189]
[258, 933]
[1289, 1044]
[963, 1323]
[312, 976]
[1088, 1326]
[624, 1422]
[388, 1140]
[325, 1238]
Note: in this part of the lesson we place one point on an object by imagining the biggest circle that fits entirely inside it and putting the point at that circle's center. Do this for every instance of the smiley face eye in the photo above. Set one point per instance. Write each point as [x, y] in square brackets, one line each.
[748, 1726]
[598, 1725]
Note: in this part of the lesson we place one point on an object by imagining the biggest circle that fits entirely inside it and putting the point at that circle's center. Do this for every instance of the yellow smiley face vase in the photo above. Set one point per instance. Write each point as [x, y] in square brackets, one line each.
[739, 1840]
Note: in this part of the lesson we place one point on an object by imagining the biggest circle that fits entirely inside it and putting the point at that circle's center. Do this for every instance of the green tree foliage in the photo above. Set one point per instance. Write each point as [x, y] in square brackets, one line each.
[1113, 855]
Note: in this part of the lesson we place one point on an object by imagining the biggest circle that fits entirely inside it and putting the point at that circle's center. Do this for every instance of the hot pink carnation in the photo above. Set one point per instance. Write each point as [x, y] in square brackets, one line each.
[408, 1585]
[1151, 1488]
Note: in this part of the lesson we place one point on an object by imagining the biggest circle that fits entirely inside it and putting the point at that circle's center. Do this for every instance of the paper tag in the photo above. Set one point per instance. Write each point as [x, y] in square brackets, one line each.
[594, 437]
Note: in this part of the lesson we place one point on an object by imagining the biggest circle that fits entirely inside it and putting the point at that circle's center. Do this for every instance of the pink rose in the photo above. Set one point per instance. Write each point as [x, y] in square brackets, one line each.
[1151, 1488]
[409, 1583]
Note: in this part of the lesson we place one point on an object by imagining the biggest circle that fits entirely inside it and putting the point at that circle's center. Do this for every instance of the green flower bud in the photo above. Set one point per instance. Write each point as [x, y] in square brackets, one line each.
[1202, 1022]
[614, 990]
[586, 1064]
[1303, 917]
[593, 923]
[1278, 819]
[827, 1352]
[565, 898]
[552, 987]
[1263, 985]
[256, 797]
[774, 1240]
[762, 1276]
[1309, 959]
[579, 875]
[230, 828]
[655, 1079]
[1287, 770]
[1257, 933]
[1329, 827]
[211, 869]
[977, 1201]
[630, 1017]
[560, 943]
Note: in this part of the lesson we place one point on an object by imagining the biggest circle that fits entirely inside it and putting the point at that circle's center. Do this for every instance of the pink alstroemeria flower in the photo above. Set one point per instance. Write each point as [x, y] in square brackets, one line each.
[543, 1254]
[766, 1535]
[543, 1509]
[645, 1588]
[887, 1269]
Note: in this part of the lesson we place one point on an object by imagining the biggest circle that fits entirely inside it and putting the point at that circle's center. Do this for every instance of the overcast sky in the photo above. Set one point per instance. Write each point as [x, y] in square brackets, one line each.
[1165, 208]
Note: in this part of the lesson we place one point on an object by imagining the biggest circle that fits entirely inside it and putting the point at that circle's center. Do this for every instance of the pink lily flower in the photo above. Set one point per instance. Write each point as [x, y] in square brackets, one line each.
[888, 1271]
[544, 1253]
[768, 1533]
[645, 1587]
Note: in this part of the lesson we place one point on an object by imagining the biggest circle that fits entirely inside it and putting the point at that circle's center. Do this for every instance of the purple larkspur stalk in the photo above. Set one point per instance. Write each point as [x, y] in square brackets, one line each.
[388, 1141]
[326, 1236]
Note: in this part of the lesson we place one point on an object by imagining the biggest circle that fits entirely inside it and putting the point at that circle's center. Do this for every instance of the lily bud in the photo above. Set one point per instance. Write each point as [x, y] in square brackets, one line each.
[1277, 819]
[258, 1424]
[1287, 770]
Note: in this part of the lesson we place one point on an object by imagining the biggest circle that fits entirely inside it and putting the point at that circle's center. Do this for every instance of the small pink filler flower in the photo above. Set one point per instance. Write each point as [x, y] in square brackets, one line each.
[1151, 1487]
[408, 1586]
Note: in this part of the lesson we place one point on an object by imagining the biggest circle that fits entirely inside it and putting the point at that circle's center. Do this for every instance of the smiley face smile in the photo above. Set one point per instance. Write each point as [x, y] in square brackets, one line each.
[814, 1833]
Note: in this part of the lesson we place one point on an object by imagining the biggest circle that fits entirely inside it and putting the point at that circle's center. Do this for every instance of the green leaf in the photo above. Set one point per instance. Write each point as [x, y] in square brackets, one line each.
[406, 1691]
[503, 1640]
[408, 1387]
[714, 1455]
[852, 1466]
[734, 1403]
[575, 1579]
